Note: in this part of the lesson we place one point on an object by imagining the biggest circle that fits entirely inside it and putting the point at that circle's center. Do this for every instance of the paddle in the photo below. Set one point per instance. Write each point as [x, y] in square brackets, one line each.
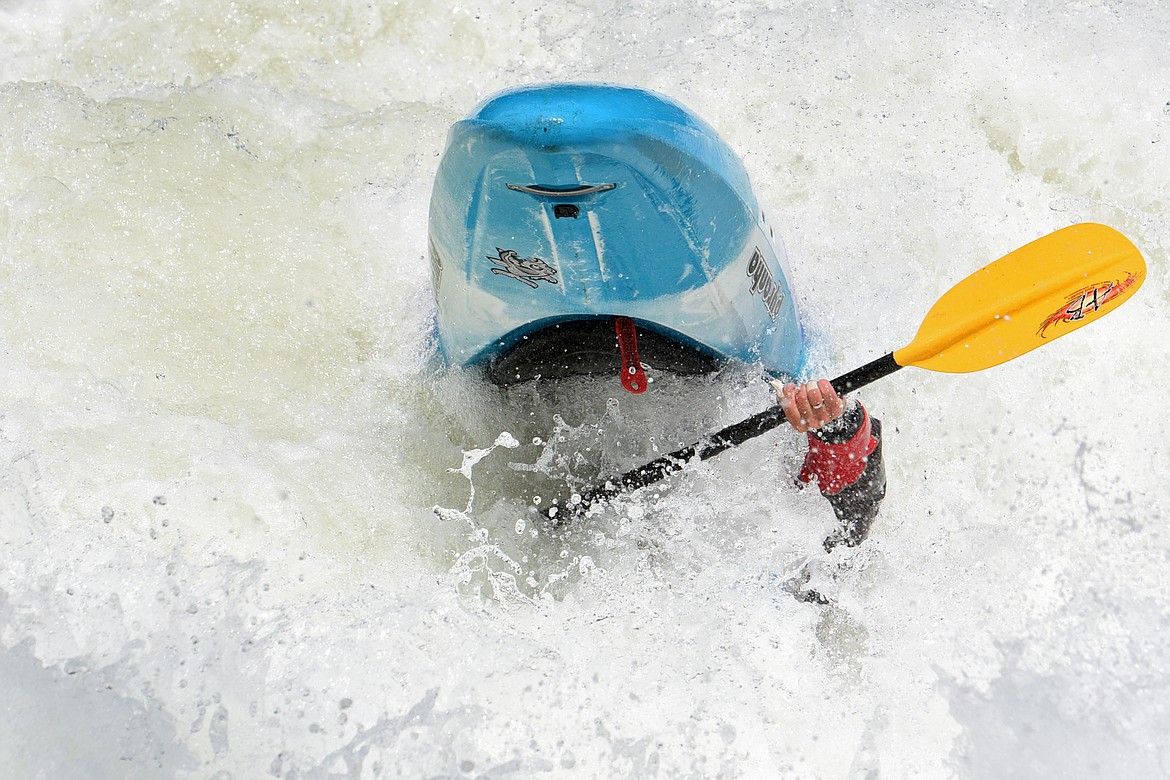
[1022, 301]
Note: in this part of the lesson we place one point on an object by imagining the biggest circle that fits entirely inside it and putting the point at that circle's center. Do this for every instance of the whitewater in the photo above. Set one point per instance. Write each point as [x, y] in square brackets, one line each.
[250, 527]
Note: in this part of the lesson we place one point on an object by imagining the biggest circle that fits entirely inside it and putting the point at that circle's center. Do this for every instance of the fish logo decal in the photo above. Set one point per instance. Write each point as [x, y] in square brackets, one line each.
[528, 270]
[1087, 301]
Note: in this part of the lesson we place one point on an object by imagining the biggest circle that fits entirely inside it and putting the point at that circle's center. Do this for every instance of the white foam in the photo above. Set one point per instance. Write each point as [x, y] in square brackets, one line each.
[223, 439]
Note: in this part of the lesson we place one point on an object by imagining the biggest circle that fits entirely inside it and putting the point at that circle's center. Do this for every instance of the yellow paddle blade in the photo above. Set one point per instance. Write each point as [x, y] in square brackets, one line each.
[1027, 299]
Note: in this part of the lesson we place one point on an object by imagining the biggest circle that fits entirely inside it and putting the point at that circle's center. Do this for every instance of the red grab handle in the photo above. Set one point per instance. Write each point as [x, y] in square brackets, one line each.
[633, 378]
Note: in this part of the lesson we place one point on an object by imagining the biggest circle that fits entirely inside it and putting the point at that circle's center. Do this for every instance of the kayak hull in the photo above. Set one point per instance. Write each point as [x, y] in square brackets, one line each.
[560, 205]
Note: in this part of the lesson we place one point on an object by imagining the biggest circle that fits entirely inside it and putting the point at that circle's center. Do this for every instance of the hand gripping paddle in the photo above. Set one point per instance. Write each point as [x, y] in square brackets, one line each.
[1022, 301]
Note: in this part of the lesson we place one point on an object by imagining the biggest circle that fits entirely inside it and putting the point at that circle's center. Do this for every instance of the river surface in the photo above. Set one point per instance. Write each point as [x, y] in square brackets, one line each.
[250, 528]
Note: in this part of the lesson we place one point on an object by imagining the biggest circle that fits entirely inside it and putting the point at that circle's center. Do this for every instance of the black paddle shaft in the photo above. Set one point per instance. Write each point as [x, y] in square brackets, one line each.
[731, 436]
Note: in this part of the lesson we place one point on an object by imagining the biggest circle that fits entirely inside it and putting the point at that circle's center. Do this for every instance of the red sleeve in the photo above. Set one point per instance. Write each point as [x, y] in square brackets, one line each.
[837, 466]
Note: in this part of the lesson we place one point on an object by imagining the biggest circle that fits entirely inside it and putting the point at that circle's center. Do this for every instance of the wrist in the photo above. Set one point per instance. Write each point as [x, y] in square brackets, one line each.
[843, 428]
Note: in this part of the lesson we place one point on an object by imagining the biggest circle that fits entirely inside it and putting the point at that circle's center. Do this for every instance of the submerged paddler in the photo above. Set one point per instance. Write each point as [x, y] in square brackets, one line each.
[844, 454]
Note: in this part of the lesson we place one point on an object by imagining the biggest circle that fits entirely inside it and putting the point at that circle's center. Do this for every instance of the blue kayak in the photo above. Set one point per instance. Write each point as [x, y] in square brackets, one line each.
[584, 228]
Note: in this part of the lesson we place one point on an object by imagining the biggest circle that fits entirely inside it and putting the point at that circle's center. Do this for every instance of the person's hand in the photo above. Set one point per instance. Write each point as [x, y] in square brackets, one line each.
[809, 406]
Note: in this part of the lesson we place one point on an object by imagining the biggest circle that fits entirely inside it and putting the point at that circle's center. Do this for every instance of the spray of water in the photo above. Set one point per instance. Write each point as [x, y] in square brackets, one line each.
[249, 526]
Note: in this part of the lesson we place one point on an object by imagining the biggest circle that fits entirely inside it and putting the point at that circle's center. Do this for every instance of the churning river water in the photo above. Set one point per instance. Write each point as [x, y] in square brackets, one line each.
[249, 527]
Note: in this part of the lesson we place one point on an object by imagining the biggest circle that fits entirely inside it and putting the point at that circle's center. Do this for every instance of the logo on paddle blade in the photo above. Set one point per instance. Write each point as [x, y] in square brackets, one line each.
[529, 270]
[1087, 301]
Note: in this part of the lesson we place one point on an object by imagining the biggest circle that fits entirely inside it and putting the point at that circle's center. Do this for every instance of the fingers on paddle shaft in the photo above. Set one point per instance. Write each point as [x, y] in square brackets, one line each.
[810, 406]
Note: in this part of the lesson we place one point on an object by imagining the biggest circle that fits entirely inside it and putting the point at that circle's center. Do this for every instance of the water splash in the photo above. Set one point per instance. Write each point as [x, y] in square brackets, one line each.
[472, 457]
[212, 247]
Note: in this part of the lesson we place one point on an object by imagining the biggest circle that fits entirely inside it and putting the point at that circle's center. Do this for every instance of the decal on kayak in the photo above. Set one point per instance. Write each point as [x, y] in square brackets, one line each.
[764, 284]
[1087, 301]
[436, 264]
[528, 270]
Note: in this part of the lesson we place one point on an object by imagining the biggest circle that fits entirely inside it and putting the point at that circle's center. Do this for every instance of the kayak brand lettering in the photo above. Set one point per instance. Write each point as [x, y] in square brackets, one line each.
[436, 264]
[764, 284]
[529, 270]
[1087, 301]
